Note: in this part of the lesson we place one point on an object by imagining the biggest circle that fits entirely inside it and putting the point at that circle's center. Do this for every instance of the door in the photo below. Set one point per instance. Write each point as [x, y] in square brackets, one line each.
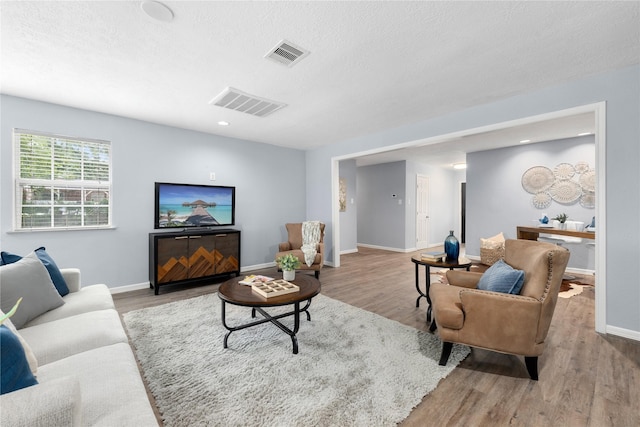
[422, 211]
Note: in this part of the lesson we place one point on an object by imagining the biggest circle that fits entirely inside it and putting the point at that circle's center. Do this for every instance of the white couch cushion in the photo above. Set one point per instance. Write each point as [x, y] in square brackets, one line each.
[56, 403]
[61, 338]
[111, 388]
[90, 298]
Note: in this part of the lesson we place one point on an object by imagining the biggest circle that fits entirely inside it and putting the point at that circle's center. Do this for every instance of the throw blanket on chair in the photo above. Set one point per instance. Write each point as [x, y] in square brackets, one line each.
[310, 240]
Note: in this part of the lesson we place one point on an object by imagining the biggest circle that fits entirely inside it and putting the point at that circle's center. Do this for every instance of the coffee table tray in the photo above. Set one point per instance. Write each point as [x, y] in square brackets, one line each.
[274, 288]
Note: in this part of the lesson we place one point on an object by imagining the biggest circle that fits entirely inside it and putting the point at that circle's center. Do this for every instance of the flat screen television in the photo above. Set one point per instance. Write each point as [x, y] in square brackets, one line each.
[188, 205]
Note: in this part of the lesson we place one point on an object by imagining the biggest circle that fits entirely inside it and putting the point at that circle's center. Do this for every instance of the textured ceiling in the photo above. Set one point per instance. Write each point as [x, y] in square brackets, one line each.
[372, 66]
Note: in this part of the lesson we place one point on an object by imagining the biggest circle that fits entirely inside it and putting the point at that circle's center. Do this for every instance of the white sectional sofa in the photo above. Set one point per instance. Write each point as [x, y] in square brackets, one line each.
[87, 374]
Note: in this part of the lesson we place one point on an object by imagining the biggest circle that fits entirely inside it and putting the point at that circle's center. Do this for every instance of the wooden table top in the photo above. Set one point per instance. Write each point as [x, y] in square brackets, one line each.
[461, 263]
[524, 231]
[233, 292]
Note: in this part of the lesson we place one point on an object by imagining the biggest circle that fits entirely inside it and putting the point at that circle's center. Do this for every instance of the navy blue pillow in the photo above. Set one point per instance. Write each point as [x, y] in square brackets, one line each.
[15, 368]
[47, 261]
[501, 277]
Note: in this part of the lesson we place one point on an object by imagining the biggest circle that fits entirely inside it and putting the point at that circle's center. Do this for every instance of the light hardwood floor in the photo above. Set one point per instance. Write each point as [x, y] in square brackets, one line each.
[586, 379]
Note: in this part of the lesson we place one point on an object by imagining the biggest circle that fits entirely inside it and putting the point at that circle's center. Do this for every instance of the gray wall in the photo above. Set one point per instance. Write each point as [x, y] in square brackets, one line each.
[620, 90]
[265, 176]
[381, 205]
[496, 201]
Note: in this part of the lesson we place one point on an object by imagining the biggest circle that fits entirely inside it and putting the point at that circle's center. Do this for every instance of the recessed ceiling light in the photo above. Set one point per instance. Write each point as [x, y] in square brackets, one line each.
[157, 10]
[524, 141]
[223, 123]
[584, 133]
[459, 165]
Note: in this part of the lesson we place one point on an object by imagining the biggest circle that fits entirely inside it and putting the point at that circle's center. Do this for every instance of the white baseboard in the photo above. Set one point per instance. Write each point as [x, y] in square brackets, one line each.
[257, 266]
[624, 333]
[386, 248]
[145, 285]
[128, 288]
[349, 251]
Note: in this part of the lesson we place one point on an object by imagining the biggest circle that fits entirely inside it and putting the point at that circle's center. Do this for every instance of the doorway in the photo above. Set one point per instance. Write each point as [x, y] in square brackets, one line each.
[452, 141]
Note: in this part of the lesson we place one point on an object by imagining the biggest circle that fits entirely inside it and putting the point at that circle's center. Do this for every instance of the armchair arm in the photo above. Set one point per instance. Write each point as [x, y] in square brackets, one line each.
[286, 246]
[464, 279]
[503, 322]
[72, 278]
[55, 403]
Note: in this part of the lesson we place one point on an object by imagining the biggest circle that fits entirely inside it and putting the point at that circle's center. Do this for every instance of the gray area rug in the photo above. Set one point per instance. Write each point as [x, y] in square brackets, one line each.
[354, 368]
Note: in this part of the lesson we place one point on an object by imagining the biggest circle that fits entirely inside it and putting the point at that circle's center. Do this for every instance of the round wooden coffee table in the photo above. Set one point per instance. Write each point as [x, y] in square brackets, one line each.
[418, 261]
[233, 292]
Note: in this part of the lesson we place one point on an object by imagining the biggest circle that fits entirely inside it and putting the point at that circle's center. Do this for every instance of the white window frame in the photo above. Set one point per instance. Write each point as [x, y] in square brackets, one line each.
[51, 210]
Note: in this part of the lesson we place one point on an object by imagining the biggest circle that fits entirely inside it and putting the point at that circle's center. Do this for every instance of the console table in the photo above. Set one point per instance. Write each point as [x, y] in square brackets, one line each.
[532, 233]
[192, 256]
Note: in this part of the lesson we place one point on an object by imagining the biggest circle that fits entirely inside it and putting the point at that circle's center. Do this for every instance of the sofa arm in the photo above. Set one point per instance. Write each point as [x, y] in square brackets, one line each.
[282, 247]
[55, 403]
[72, 277]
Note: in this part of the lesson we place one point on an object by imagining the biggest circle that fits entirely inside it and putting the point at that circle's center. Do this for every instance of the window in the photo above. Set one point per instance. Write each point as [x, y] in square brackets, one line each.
[61, 182]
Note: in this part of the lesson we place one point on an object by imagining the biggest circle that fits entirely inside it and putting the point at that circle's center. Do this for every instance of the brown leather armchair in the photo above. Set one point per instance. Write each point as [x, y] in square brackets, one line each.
[513, 324]
[294, 243]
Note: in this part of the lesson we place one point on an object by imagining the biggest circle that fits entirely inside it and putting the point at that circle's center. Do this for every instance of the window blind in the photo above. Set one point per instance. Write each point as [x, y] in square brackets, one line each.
[61, 182]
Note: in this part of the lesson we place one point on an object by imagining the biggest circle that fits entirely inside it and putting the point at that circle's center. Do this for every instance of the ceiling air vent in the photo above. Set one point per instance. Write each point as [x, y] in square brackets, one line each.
[287, 53]
[235, 99]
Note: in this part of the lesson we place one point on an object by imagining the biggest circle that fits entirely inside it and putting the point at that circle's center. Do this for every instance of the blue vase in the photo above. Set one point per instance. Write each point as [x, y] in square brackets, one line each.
[451, 247]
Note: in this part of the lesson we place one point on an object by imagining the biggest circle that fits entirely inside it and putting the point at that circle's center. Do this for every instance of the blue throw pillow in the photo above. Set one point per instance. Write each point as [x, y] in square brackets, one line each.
[47, 261]
[501, 277]
[14, 366]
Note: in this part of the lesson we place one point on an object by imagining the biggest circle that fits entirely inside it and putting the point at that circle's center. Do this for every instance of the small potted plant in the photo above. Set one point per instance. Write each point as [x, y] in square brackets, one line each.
[288, 264]
[562, 218]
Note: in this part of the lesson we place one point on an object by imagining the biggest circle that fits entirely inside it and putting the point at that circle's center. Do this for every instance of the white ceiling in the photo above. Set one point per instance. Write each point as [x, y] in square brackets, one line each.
[372, 65]
[447, 151]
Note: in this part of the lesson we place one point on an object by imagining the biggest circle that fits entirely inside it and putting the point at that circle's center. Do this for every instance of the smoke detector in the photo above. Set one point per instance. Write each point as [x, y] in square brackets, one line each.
[287, 53]
[237, 100]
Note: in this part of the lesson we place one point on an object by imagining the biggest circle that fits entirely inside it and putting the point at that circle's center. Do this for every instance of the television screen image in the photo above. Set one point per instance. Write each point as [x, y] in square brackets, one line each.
[187, 205]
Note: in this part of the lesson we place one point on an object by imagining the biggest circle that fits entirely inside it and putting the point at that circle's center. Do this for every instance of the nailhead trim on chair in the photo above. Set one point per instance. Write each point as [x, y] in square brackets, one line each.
[549, 274]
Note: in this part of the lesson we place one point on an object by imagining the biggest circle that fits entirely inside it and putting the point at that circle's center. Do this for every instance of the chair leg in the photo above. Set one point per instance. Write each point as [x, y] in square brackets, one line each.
[446, 352]
[317, 274]
[532, 366]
